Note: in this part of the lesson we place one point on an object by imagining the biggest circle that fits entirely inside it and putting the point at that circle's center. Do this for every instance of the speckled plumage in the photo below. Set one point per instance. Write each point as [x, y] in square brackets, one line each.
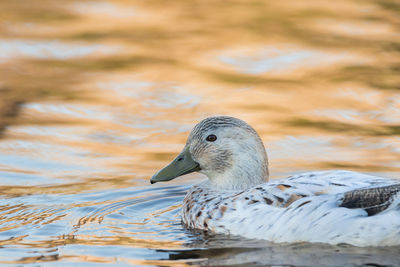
[305, 207]
[326, 206]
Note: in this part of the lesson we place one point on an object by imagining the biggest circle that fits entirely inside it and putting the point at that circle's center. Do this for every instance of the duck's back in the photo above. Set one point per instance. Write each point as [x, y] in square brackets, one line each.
[330, 207]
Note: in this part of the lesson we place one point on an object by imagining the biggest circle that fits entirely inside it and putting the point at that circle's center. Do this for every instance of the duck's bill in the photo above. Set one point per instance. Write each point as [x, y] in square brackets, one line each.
[181, 165]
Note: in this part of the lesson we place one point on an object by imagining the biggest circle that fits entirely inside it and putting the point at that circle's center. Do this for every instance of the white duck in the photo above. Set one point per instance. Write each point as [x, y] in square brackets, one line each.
[326, 206]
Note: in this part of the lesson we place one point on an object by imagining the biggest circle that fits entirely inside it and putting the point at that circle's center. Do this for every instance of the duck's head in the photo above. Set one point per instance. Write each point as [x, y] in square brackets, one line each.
[227, 150]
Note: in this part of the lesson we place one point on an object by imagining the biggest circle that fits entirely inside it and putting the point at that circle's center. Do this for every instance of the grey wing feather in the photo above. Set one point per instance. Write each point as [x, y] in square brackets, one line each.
[372, 200]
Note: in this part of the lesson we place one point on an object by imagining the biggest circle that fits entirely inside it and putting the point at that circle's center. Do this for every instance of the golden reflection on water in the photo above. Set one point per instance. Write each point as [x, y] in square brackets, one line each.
[97, 95]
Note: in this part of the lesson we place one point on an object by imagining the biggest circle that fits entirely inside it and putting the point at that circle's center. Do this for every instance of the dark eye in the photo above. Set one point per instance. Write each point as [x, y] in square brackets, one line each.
[211, 138]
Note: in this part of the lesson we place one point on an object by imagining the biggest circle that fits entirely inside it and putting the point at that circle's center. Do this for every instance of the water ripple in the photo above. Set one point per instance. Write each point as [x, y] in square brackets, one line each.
[10, 49]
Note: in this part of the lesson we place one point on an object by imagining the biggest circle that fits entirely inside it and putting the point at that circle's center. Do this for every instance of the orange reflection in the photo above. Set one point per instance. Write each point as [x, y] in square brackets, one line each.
[97, 95]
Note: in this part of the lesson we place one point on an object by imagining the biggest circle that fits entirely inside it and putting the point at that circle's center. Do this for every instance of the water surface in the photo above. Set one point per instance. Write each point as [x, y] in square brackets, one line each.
[95, 96]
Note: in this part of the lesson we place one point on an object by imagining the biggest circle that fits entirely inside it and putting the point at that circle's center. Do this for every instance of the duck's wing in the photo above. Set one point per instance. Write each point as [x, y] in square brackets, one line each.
[355, 190]
[372, 200]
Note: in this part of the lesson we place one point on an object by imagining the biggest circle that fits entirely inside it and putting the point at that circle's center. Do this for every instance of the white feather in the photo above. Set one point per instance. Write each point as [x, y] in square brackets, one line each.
[319, 220]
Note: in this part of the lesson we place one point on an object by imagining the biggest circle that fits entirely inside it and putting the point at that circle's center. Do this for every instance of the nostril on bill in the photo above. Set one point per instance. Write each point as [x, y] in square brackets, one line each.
[180, 159]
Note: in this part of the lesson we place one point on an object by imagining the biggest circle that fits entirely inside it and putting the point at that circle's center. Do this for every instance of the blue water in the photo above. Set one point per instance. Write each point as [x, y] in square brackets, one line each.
[95, 97]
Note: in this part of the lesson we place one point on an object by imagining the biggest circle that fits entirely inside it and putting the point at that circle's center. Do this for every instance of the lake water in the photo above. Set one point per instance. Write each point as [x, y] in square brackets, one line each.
[96, 96]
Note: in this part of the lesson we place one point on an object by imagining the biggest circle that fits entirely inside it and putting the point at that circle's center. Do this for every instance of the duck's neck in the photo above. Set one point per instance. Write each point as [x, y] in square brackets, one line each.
[248, 171]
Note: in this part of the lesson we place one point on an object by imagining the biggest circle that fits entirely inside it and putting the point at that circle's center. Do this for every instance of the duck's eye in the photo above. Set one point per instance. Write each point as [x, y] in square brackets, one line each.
[211, 138]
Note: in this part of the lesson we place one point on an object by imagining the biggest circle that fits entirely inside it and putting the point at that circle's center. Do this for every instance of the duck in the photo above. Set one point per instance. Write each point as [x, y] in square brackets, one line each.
[332, 206]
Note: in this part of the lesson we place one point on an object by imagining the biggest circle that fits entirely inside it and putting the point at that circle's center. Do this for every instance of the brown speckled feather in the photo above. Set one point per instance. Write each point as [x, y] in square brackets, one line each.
[372, 200]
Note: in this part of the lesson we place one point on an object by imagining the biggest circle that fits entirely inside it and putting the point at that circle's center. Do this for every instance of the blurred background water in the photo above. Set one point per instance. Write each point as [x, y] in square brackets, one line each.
[95, 96]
